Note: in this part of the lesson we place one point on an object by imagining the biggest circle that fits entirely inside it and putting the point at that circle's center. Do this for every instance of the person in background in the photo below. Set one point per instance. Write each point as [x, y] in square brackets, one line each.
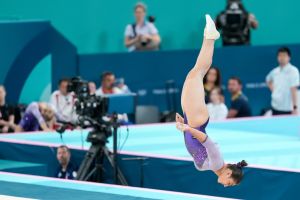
[235, 24]
[66, 169]
[108, 85]
[216, 108]
[38, 116]
[211, 80]
[6, 112]
[92, 88]
[141, 35]
[283, 82]
[239, 102]
[63, 103]
[122, 86]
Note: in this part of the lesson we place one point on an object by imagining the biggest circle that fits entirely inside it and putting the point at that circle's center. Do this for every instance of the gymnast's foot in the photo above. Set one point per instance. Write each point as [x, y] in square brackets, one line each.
[210, 31]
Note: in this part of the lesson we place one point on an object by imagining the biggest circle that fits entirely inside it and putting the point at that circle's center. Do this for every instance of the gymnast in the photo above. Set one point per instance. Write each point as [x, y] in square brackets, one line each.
[204, 151]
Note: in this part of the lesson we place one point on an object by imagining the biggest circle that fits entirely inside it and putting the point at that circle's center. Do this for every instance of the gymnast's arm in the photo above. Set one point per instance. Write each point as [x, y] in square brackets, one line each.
[195, 133]
[216, 161]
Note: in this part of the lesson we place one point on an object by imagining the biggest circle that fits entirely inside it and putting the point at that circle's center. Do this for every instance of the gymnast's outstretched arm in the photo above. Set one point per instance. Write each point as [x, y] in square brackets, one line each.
[195, 133]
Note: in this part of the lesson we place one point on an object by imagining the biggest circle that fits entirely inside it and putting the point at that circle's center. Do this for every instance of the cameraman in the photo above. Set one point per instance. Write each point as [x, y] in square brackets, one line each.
[235, 23]
[141, 35]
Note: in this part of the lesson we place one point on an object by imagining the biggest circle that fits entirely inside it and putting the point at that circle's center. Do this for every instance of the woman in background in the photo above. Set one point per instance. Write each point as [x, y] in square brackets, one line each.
[216, 108]
[211, 80]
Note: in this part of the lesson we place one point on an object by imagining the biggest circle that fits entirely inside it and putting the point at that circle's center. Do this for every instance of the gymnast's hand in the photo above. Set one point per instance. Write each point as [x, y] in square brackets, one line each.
[179, 118]
[182, 127]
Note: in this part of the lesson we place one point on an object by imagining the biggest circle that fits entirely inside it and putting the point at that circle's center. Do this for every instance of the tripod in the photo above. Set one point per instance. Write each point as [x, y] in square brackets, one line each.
[95, 156]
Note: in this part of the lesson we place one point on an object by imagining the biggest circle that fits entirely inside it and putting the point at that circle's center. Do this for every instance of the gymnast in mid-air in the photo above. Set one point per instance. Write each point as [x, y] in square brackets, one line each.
[204, 151]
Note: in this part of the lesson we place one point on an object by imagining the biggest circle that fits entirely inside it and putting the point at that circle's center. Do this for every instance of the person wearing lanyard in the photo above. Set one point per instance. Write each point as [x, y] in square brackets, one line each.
[66, 169]
[141, 35]
[239, 102]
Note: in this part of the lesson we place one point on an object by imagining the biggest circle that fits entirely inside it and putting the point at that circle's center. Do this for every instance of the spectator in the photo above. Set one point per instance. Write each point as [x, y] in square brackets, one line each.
[217, 109]
[235, 24]
[108, 85]
[283, 82]
[37, 116]
[92, 88]
[63, 103]
[141, 35]
[239, 103]
[122, 86]
[66, 169]
[211, 80]
[6, 112]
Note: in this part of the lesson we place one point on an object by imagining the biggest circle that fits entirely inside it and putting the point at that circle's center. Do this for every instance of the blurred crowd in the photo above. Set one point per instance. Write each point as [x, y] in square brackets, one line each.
[282, 81]
[49, 116]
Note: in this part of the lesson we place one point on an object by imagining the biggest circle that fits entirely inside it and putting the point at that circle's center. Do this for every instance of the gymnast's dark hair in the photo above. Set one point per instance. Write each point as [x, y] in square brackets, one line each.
[237, 171]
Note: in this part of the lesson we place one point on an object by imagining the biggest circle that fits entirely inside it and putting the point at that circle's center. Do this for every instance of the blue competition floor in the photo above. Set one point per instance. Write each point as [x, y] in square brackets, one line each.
[48, 188]
[273, 142]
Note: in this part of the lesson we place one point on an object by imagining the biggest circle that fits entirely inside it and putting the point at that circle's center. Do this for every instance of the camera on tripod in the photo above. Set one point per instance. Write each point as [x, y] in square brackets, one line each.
[91, 110]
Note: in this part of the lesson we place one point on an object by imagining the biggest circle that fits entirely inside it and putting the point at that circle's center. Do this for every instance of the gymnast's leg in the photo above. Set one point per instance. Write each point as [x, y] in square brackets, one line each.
[192, 97]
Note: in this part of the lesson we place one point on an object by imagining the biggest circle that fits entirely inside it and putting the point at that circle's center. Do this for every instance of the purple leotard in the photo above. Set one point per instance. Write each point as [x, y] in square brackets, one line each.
[206, 155]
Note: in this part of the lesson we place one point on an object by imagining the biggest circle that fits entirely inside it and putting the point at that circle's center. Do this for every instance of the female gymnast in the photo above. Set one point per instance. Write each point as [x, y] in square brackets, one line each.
[204, 151]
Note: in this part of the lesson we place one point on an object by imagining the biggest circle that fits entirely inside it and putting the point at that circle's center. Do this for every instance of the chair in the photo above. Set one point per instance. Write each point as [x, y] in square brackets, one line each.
[147, 114]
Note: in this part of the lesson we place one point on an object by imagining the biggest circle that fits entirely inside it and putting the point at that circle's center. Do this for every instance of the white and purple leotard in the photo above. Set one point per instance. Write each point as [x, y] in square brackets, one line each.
[206, 155]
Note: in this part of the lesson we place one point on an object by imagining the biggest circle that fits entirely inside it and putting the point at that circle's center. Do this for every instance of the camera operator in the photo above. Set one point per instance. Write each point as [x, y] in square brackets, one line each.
[235, 24]
[141, 35]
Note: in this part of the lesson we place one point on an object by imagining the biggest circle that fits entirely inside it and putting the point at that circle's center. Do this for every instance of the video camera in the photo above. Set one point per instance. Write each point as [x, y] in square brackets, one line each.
[90, 110]
[234, 23]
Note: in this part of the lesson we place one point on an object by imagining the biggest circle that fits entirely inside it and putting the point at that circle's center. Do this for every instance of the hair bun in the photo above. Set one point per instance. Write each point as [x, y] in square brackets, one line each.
[242, 164]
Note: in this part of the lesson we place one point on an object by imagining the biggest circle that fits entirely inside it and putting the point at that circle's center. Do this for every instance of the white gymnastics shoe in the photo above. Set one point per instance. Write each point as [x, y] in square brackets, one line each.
[210, 31]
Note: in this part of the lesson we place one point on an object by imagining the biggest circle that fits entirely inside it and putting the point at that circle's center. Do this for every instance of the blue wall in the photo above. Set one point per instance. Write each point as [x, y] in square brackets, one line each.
[33, 54]
[98, 25]
[146, 73]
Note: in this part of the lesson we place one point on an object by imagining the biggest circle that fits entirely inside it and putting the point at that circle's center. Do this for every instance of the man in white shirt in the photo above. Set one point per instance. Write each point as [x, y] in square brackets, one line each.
[63, 103]
[108, 85]
[141, 35]
[283, 82]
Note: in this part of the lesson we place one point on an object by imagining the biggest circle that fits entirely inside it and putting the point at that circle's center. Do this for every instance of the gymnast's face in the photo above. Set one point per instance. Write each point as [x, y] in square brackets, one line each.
[226, 179]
